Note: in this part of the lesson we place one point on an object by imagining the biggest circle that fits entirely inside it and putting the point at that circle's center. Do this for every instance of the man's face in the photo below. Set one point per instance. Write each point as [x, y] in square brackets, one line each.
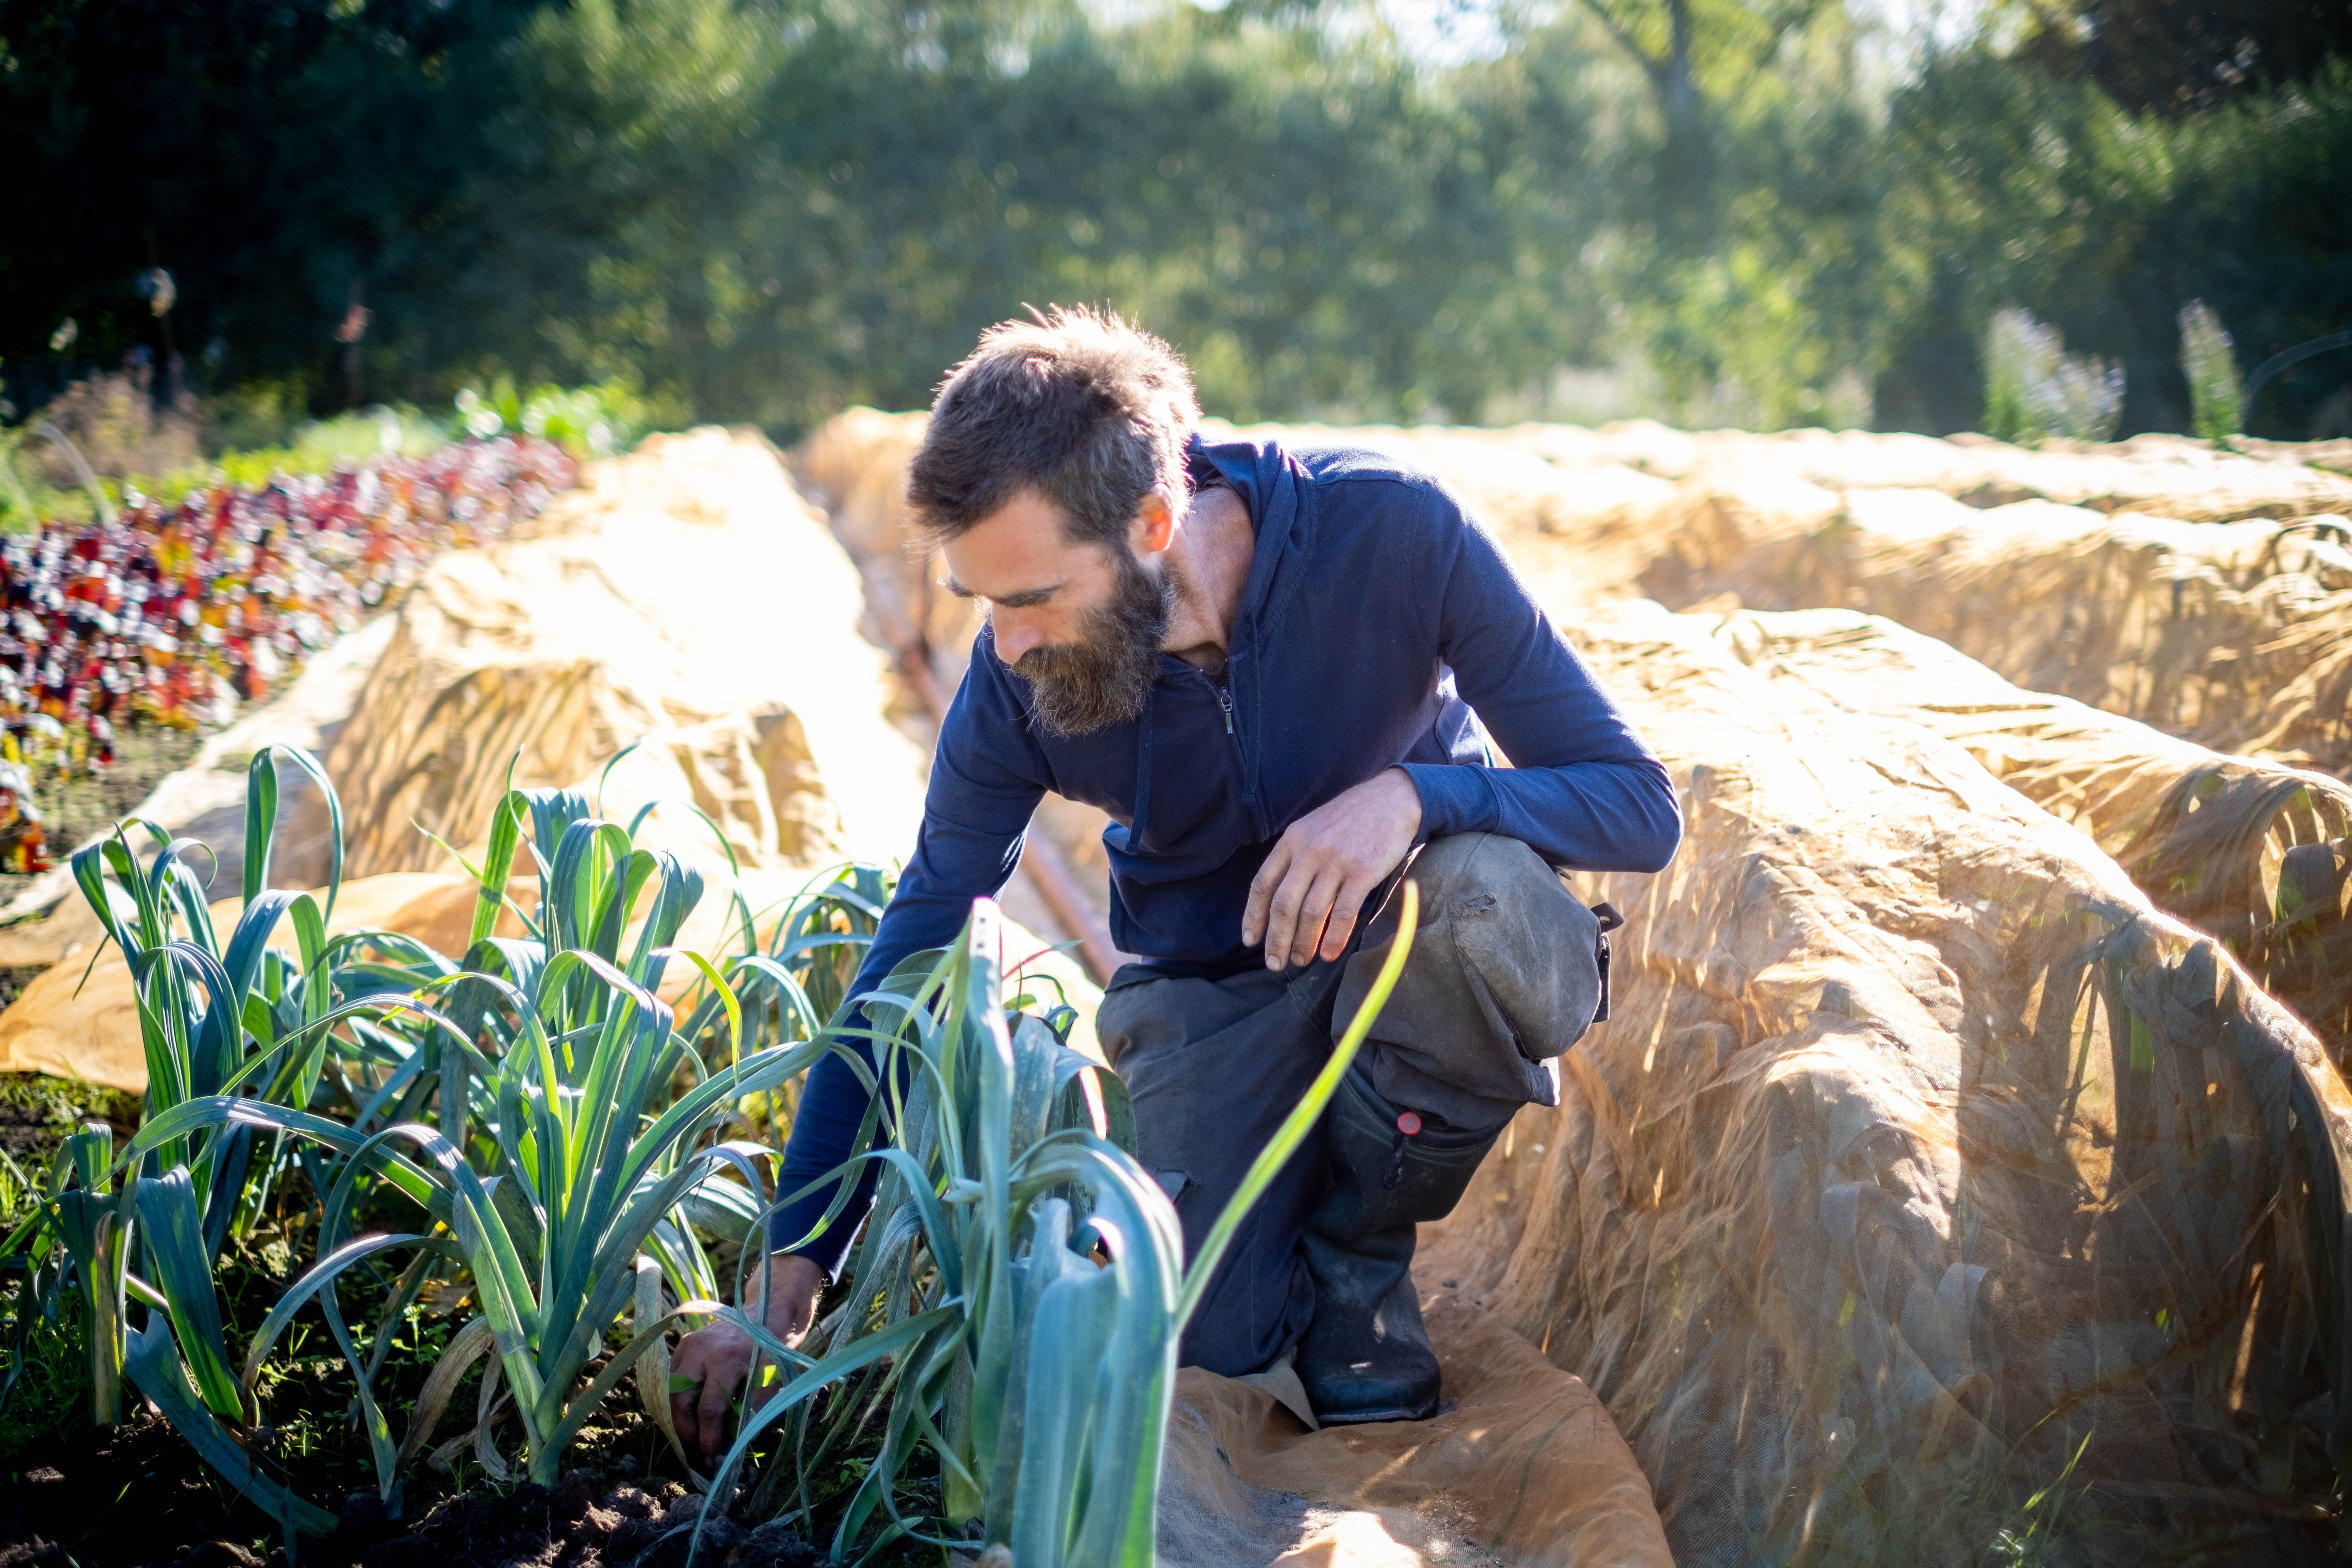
[1082, 624]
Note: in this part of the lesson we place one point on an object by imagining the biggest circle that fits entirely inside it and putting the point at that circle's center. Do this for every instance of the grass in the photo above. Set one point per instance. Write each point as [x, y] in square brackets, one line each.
[37, 1112]
[316, 446]
[595, 421]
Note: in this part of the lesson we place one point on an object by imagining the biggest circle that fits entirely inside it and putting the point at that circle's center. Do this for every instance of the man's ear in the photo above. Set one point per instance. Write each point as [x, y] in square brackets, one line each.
[1154, 527]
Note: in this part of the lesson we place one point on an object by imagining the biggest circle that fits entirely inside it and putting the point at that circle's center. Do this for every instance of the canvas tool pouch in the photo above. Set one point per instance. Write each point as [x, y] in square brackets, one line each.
[1507, 970]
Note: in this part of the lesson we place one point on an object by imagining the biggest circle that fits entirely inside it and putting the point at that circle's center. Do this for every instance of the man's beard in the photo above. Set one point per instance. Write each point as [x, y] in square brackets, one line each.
[1104, 679]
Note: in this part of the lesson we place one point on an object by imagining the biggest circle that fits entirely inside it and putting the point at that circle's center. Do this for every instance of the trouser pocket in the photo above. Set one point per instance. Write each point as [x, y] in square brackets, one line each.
[1390, 1166]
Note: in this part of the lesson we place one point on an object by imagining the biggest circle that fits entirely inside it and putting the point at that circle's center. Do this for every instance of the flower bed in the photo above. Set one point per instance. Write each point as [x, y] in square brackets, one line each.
[172, 615]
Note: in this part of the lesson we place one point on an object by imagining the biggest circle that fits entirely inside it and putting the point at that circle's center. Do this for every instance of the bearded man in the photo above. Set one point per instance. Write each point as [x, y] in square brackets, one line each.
[1277, 669]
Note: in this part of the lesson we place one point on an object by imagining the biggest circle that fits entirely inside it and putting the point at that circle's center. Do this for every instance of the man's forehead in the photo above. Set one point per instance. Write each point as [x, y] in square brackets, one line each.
[1018, 552]
[1028, 512]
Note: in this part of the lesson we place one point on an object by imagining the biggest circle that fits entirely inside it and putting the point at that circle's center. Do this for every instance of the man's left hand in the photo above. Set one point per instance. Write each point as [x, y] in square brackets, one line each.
[1304, 900]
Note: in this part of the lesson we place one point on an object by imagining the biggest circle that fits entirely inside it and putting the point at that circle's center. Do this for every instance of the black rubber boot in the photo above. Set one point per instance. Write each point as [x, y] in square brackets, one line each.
[1365, 1356]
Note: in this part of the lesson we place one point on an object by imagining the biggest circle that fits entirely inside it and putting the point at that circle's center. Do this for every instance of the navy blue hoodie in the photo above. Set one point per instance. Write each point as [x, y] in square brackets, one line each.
[1376, 619]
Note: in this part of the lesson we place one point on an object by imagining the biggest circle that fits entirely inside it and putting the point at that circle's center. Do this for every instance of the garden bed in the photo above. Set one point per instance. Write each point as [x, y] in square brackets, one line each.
[137, 1494]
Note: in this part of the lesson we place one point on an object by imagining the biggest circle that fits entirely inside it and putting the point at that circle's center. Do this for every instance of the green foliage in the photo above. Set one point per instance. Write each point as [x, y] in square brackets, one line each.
[777, 229]
[2178, 56]
[46, 1372]
[2035, 389]
[2008, 186]
[312, 447]
[555, 1155]
[46, 1109]
[2217, 396]
[765, 210]
[2032, 1537]
[561, 1120]
[272, 158]
[47, 1361]
[315, 447]
[998, 1184]
[588, 421]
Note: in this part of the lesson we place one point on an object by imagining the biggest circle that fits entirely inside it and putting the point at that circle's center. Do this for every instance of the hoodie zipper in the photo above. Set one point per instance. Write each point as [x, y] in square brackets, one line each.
[1223, 690]
[1241, 752]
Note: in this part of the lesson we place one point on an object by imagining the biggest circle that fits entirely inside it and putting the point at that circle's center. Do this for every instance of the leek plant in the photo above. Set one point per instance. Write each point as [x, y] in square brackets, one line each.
[2035, 389]
[535, 1104]
[1018, 1292]
[214, 1020]
[555, 1156]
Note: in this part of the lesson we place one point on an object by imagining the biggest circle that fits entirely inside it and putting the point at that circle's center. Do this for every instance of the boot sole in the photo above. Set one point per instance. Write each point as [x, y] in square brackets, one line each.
[1363, 1417]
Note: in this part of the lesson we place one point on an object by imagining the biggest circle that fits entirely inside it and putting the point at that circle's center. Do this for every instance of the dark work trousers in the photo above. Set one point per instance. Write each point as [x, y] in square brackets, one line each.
[1214, 1066]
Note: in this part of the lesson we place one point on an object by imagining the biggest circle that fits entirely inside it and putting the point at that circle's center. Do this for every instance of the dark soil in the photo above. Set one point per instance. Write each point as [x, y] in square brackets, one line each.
[581, 1521]
[138, 1497]
[37, 1111]
[15, 978]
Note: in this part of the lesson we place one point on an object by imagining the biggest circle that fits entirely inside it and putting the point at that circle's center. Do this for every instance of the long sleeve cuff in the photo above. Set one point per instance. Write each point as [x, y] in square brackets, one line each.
[1454, 799]
[829, 1250]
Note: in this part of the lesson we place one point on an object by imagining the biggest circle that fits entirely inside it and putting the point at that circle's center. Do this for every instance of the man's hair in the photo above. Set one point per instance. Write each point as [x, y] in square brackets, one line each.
[1091, 412]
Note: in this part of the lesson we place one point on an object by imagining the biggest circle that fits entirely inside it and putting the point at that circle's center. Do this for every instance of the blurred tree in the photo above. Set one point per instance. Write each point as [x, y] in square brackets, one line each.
[267, 152]
[839, 202]
[1708, 210]
[2178, 56]
[2015, 186]
[1699, 57]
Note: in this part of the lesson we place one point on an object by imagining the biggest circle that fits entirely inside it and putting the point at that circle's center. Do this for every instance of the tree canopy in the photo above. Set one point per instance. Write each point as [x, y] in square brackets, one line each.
[1746, 211]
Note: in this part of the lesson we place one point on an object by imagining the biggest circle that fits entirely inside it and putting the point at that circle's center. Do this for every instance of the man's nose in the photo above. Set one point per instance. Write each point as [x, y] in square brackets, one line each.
[1015, 635]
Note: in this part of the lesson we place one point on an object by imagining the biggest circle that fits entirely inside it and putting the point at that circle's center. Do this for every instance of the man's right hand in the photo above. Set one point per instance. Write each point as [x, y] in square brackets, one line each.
[719, 1358]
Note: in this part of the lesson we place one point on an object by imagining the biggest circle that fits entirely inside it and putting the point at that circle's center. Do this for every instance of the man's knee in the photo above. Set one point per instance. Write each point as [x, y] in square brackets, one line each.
[1503, 978]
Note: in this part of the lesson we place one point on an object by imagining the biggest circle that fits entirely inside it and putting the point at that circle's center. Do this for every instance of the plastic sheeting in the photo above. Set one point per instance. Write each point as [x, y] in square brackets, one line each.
[2238, 635]
[80, 1019]
[1522, 1467]
[1930, 1192]
[854, 465]
[1922, 1163]
[2207, 593]
[2252, 852]
[2167, 475]
[2171, 475]
[684, 607]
